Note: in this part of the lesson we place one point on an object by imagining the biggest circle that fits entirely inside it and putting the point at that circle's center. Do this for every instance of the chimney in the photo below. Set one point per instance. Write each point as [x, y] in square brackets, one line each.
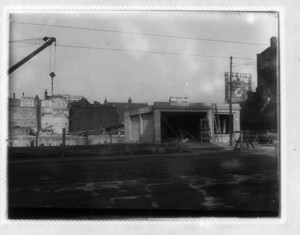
[14, 95]
[23, 94]
[273, 42]
[129, 100]
[105, 101]
[46, 94]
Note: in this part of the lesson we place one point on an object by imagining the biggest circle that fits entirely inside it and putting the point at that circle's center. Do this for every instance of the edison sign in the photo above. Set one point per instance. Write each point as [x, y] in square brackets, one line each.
[179, 101]
[241, 84]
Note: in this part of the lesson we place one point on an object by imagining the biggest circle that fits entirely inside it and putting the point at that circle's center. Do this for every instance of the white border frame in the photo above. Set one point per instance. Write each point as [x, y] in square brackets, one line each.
[202, 221]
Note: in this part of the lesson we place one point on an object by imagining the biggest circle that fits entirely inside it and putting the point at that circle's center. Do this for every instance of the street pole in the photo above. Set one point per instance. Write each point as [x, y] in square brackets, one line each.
[230, 102]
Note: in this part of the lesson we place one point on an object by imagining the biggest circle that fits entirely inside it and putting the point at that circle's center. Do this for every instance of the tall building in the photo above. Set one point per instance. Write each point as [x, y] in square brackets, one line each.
[260, 110]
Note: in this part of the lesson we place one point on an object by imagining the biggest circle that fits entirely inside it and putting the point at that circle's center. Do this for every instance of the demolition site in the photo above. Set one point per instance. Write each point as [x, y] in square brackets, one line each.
[70, 158]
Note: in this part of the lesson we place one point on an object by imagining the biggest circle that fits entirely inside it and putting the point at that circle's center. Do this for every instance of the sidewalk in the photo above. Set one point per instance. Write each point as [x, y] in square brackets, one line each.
[206, 146]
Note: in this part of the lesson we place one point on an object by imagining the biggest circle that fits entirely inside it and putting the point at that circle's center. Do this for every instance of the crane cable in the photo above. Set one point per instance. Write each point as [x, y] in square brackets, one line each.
[52, 58]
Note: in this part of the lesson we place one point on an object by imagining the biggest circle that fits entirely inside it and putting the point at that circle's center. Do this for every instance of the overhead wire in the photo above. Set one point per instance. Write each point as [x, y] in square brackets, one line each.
[145, 34]
[22, 43]
[50, 59]
[151, 52]
[154, 52]
[135, 33]
[21, 46]
[237, 65]
[22, 40]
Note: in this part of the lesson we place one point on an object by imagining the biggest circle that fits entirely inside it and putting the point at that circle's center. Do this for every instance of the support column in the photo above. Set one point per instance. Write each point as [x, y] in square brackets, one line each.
[230, 103]
[140, 126]
[36, 138]
[157, 125]
[127, 127]
[86, 137]
[210, 118]
[64, 137]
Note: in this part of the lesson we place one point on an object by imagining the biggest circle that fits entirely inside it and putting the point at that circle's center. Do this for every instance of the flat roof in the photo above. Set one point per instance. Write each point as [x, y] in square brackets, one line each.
[162, 105]
[181, 108]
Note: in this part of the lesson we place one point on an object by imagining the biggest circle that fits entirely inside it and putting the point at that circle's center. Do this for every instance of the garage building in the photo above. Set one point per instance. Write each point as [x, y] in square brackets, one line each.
[166, 121]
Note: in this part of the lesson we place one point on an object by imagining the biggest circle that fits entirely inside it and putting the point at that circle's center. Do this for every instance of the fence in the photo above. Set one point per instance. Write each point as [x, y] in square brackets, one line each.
[251, 138]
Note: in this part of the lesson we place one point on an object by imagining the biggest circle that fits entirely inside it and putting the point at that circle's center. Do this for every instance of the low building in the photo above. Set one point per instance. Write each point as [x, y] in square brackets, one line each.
[86, 116]
[163, 122]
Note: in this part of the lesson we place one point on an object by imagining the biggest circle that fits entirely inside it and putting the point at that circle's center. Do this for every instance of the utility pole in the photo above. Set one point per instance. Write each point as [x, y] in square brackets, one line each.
[230, 102]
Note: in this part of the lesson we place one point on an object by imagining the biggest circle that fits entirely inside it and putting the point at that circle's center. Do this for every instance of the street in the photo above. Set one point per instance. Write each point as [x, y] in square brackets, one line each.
[203, 183]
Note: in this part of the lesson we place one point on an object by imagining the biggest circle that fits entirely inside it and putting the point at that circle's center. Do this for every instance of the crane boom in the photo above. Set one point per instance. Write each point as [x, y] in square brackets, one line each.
[48, 42]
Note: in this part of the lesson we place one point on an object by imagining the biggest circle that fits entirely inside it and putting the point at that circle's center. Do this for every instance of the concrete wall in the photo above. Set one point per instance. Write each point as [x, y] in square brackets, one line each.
[135, 128]
[89, 150]
[20, 131]
[157, 126]
[147, 128]
[56, 140]
[139, 128]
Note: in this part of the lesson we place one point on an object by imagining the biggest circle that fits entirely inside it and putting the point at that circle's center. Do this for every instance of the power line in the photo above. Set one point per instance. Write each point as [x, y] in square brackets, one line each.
[149, 52]
[22, 46]
[146, 34]
[237, 65]
[152, 52]
[24, 40]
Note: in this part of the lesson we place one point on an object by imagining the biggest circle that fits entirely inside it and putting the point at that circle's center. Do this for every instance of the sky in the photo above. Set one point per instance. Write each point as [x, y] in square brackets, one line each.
[148, 56]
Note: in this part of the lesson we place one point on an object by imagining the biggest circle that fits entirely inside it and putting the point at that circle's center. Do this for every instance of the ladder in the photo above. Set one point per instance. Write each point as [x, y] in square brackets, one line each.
[217, 124]
[204, 131]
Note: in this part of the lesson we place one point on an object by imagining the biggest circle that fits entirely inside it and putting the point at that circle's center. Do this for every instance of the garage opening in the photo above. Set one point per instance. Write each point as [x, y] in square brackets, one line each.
[175, 124]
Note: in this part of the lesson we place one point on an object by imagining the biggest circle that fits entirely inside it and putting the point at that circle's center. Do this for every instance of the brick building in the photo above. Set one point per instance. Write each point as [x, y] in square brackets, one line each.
[260, 110]
[86, 116]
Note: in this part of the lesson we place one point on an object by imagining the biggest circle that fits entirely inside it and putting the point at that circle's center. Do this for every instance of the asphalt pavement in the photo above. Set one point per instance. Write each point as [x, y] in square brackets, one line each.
[202, 183]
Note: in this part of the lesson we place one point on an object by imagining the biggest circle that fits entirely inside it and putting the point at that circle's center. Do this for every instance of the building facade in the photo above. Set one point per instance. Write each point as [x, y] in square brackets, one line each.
[163, 121]
[54, 114]
[24, 115]
[260, 110]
